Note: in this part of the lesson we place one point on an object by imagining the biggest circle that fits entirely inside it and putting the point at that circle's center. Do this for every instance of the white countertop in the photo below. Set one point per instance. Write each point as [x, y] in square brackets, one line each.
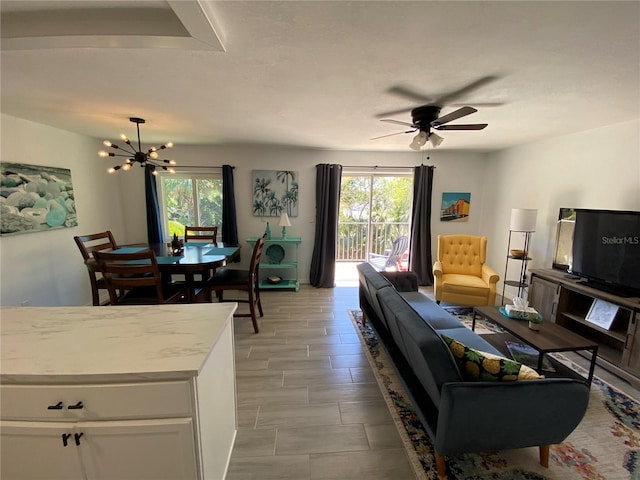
[120, 343]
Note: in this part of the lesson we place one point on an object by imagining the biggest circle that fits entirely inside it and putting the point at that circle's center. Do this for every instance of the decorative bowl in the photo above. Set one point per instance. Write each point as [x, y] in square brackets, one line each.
[274, 280]
[275, 253]
[518, 253]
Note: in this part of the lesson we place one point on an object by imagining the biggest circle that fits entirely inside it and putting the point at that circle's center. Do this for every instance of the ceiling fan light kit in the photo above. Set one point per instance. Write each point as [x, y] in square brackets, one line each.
[148, 159]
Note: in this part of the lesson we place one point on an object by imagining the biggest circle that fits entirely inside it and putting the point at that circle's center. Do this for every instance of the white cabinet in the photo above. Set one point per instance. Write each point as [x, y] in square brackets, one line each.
[120, 444]
[170, 416]
[135, 449]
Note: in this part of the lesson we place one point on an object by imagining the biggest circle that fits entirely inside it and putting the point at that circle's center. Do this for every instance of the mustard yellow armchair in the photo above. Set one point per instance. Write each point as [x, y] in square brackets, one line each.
[460, 274]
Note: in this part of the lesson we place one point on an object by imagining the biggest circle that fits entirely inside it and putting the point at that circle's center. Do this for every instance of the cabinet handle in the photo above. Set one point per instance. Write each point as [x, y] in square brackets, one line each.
[77, 438]
[77, 406]
[65, 437]
[57, 406]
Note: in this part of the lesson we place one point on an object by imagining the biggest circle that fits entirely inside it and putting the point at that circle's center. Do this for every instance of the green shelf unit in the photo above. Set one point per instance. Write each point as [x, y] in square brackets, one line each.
[287, 268]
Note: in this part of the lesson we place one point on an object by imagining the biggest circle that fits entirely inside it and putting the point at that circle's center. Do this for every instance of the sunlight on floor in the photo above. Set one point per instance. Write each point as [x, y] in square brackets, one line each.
[346, 274]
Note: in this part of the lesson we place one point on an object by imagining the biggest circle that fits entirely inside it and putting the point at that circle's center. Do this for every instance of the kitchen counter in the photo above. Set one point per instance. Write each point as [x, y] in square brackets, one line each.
[45, 344]
[145, 392]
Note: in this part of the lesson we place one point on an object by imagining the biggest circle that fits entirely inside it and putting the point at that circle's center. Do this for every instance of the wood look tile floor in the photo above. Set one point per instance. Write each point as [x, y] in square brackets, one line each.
[309, 406]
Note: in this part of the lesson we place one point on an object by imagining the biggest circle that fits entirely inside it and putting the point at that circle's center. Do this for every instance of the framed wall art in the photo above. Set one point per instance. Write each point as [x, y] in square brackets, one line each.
[455, 207]
[275, 192]
[35, 198]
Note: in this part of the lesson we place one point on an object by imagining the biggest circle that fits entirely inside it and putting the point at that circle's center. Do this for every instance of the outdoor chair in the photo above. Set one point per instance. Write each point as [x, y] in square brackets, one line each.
[390, 262]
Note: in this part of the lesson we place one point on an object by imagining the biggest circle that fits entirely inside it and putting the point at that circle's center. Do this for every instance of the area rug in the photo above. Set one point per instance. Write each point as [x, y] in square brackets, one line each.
[605, 446]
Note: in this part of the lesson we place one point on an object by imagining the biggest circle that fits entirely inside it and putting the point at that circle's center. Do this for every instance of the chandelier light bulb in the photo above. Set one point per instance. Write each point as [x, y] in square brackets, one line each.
[153, 154]
[103, 154]
[126, 166]
[114, 169]
[107, 143]
[168, 145]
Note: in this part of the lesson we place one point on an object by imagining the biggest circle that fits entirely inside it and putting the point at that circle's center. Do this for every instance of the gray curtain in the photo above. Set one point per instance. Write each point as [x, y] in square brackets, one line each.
[420, 260]
[323, 262]
[154, 225]
[229, 219]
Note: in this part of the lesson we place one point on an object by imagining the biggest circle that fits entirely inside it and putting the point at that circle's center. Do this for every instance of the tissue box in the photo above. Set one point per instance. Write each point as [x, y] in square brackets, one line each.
[528, 313]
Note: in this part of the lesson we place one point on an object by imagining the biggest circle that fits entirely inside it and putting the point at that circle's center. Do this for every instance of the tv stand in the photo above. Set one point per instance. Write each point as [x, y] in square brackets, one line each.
[567, 301]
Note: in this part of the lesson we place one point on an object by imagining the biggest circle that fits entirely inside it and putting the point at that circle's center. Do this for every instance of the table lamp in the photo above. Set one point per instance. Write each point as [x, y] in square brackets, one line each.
[284, 223]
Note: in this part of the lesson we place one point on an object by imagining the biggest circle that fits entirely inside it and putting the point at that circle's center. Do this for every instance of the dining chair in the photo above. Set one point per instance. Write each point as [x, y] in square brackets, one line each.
[242, 280]
[134, 279]
[87, 245]
[200, 233]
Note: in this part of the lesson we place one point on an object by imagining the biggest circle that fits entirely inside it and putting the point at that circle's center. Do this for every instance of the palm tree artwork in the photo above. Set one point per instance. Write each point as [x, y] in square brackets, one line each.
[275, 192]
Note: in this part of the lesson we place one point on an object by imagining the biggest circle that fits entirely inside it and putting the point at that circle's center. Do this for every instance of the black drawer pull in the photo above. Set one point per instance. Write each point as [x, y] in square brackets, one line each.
[77, 406]
[57, 406]
[77, 437]
[65, 437]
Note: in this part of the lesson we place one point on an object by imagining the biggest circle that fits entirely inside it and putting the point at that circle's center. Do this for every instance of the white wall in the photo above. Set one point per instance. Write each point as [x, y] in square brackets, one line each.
[599, 168]
[459, 172]
[580, 170]
[46, 268]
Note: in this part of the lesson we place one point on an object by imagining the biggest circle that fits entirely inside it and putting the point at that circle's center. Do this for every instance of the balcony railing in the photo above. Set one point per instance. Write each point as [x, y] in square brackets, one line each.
[353, 244]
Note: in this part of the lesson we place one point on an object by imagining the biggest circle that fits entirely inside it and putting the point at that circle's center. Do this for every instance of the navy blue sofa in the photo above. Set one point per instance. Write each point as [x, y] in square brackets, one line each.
[462, 416]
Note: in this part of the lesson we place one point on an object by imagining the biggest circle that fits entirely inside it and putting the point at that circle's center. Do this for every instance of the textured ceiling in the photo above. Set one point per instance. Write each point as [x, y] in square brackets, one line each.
[315, 74]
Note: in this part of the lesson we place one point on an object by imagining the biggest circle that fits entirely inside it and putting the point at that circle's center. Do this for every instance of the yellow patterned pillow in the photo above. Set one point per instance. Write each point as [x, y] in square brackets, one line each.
[476, 365]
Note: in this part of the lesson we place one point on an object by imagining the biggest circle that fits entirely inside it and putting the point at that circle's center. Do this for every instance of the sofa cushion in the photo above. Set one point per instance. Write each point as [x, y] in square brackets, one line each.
[430, 359]
[433, 313]
[476, 365]
[469, 338]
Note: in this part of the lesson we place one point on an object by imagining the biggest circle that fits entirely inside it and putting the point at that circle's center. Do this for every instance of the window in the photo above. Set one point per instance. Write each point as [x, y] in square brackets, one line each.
[193, 199]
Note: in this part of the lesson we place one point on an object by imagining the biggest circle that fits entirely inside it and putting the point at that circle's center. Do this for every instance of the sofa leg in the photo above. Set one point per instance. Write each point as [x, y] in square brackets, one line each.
[544, 455]
[440, 465]
[438, 302]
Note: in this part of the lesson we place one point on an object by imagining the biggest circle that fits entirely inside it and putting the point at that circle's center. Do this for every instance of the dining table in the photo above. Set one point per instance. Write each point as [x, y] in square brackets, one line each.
[195, 258]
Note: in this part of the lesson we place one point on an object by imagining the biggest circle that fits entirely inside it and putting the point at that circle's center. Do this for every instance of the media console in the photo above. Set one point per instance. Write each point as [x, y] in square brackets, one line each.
[610, 320]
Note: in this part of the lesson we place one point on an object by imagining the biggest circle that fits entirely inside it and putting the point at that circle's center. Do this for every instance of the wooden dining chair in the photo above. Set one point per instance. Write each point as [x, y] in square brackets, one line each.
[242, 280]
[87, 245]
[201, 233]
[134, 279]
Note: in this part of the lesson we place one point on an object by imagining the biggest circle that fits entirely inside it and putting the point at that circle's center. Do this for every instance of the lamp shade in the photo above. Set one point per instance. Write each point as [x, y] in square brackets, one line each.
[284, 220]
[523, 220]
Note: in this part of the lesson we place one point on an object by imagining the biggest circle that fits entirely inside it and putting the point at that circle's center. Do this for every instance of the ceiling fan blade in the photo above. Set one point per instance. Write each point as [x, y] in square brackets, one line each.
[410, 94]
[478, 104]
[398, 122]
[447, 98]
[394, 112]
[392, 134]
[461, 112]
[471, 126]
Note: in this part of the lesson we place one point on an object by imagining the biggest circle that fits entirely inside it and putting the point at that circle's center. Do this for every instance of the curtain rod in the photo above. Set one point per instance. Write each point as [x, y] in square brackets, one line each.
[199, 166]
[382, 166]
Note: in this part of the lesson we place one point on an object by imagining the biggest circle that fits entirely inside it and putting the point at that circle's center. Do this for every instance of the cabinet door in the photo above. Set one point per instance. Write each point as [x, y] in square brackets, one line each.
[631, 355]
[36, 451]
[139, 449]
[543, 296]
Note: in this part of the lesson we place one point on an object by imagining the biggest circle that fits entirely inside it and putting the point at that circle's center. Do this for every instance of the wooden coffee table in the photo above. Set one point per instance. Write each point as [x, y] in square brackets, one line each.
[550, 337]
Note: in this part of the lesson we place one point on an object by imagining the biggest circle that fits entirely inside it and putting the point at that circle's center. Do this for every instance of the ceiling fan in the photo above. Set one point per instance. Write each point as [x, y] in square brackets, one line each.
[426, 118]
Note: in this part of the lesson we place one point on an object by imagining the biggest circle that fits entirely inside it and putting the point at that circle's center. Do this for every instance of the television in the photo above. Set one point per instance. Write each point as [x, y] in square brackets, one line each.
[606, 250]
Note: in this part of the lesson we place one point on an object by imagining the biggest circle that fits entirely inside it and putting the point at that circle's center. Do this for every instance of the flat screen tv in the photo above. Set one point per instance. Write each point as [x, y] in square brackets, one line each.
[606, 250]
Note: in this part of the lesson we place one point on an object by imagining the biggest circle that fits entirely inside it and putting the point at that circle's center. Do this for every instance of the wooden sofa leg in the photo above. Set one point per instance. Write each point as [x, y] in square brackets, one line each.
[544, 455]
[440, 465]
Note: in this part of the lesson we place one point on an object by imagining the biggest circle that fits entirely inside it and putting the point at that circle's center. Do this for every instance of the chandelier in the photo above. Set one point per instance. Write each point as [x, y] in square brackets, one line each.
[148, 159]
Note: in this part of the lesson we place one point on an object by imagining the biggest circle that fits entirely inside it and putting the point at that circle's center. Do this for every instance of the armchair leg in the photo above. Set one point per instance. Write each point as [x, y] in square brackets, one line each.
[440, 465]
[544, 455]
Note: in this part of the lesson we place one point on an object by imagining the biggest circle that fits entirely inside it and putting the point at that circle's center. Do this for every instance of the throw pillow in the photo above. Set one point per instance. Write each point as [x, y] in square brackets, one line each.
[476, 365]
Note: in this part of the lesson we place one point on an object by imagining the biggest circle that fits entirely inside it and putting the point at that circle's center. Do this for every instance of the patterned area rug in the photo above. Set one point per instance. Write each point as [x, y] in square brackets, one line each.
[605, 446]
